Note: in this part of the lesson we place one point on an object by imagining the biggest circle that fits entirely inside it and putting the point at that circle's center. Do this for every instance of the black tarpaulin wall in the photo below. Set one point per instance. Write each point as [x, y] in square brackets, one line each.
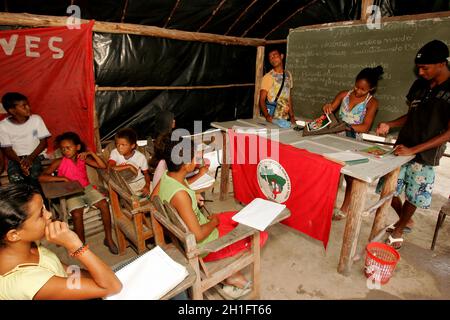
[137, 61]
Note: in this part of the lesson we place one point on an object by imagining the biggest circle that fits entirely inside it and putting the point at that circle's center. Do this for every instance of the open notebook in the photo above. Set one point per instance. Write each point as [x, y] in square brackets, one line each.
[149, 276]
[259, 213]
[204, 181]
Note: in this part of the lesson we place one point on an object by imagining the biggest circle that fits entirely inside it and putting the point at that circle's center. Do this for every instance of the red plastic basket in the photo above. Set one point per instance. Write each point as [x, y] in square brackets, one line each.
[381, 261]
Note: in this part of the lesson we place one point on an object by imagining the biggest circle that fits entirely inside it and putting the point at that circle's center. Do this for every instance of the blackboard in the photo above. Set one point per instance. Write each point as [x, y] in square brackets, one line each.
[326, 59]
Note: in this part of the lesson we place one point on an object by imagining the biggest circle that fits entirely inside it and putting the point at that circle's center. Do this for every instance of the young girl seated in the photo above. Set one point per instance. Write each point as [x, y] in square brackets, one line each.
[357, 108]
[173, 188]
[30, 271]
[125, 156]
[72, 166]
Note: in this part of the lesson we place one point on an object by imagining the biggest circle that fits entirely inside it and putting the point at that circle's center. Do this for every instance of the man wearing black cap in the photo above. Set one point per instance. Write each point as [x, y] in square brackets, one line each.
[425, 132]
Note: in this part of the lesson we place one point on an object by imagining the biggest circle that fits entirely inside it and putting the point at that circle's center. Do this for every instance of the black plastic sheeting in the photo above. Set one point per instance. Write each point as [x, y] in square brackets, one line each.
[129, 60]
[135, 61]
[137, 109]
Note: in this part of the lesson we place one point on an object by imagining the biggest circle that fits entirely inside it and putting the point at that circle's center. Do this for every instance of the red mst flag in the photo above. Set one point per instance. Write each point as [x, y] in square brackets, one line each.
[53, 68]
[305, 182]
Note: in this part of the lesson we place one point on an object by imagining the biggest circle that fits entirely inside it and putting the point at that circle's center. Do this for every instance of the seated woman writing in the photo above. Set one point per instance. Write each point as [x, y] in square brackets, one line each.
[28, 270]
[173, 188]
[357, 108]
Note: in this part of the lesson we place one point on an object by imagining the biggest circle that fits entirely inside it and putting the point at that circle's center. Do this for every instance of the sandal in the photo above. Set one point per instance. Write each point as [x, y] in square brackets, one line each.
[233, 293]
[390, 228]
[338, 214]
[391, 241]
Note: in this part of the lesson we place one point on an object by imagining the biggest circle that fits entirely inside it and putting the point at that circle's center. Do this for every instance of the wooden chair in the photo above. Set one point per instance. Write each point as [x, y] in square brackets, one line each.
[129, 211]
[445, 211]
[210, 274]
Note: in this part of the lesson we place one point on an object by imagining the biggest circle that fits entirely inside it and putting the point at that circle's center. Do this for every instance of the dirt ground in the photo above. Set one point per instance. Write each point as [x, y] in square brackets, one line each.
[296, 267]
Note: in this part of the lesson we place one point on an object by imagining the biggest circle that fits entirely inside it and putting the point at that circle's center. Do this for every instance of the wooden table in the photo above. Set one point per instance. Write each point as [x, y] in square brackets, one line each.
[60, 190]
[364, 174]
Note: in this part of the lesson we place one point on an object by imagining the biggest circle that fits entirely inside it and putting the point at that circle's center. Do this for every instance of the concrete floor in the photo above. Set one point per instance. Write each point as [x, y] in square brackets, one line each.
[296, 267]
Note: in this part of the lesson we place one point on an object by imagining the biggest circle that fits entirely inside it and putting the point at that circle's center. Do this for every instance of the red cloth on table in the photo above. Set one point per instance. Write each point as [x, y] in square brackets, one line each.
[226, 224]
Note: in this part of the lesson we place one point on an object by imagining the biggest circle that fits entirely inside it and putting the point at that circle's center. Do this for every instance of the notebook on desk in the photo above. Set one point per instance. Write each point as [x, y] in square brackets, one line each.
[259, 213]
[204, 181]
[149, 276]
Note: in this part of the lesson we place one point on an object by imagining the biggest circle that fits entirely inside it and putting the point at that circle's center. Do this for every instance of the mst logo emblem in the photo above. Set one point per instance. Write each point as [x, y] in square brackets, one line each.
[273, 180]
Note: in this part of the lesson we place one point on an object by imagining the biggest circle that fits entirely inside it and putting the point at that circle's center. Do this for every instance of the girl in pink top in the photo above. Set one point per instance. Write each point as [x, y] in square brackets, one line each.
[72, 166]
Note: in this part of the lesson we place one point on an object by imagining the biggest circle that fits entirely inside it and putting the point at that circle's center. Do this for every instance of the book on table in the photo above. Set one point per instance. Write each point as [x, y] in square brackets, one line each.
[259, 213]
[251, 130]
[378, 151]
[204, 181]
[149, 276]
[318, 124]
[346, 157]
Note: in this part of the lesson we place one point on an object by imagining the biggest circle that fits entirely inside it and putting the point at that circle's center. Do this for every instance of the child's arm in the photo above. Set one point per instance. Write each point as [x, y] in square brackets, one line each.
[96, 162]
[2, 161]
[435, 142]
[146, 189]
[46, 176]
[29, 160]
[11, 154]
[331, 107]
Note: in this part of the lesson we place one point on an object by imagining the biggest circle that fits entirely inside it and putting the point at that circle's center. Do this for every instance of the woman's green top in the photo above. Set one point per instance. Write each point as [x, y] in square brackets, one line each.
[167, 189]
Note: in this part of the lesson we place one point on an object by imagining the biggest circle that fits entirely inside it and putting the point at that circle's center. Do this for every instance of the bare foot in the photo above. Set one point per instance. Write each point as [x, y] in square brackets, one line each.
[238, 281]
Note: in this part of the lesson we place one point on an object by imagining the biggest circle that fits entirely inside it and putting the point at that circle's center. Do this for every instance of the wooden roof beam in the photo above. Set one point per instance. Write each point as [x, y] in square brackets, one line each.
[124, 11]
[240, 16]
[290, 17]
[212, 15]
[171, 13]
[259, 19]
[31, 20]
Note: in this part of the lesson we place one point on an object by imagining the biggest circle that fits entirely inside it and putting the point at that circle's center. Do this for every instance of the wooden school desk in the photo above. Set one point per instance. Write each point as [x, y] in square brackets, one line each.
[55, 190]
[364, 174]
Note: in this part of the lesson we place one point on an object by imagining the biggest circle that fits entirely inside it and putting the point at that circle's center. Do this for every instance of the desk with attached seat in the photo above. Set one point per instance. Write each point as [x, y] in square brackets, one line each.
[60, 190]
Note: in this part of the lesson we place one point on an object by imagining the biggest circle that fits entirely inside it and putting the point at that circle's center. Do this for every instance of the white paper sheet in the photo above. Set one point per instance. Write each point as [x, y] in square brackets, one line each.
[204, 181]
[149, 277]
[345, 156]
[259, 213]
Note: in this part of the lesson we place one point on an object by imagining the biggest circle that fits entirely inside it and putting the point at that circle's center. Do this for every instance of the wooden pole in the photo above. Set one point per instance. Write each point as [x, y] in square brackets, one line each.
[97, 143]
[280, 41]
[364, 6]
[390, 183]
[240, 16]
[32, 20]
[221, 86]
[225, 169]
[258, 78]
[260, 18]
[353, 225]
[212, 15]
[290, 16]
[124, 11]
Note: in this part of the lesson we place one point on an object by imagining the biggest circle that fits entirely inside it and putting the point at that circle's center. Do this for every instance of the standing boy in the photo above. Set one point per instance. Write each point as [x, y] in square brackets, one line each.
[425, 131]
[275, 95]
[23, 136]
